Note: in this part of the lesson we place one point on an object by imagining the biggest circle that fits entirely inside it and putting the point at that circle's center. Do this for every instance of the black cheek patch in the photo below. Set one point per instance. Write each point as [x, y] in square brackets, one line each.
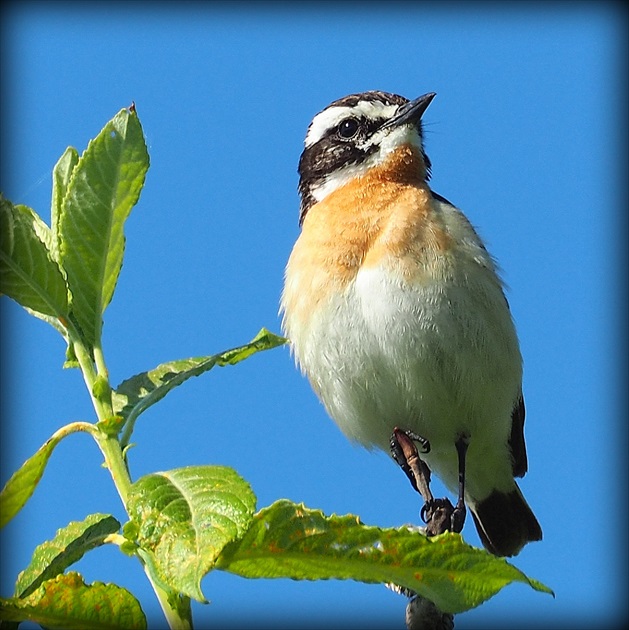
[320, 160]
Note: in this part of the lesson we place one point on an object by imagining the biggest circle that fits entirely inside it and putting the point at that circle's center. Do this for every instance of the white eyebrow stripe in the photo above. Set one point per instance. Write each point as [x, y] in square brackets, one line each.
[332, 116]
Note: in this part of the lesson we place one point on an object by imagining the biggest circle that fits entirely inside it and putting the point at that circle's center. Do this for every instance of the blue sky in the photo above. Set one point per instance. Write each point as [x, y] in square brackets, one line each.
[523, 136]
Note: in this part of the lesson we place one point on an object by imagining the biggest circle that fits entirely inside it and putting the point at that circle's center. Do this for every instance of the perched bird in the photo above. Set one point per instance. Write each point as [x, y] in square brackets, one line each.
[397, 315]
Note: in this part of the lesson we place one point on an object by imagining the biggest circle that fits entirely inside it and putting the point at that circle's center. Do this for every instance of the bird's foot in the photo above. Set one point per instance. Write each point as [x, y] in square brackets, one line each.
[441, 516]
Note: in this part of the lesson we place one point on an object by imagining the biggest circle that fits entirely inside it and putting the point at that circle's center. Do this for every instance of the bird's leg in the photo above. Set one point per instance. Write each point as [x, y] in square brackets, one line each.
[436, 513]
[405, 454]
[457, 518]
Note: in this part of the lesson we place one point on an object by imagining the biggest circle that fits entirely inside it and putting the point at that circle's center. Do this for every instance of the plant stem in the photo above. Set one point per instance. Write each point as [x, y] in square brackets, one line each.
[115, 463]
[99, 359]
[176, 607]
[178, 614]
[90, 375]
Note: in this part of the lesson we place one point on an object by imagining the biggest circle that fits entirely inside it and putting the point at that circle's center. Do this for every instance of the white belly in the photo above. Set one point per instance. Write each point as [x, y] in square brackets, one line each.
[439, 358]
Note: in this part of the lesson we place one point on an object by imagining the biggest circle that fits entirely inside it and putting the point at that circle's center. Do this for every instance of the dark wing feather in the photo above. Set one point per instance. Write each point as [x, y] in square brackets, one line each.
[516, 440]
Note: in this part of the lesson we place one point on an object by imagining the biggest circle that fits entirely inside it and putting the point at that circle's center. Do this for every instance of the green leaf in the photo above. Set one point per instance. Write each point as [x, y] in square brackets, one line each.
[291, 541]
[138, 393]
[103, 187]
[70, 543]
[185, 517]
[61, 175]
[18, 490]
[28, 273]
[67, 603]
[264, 340]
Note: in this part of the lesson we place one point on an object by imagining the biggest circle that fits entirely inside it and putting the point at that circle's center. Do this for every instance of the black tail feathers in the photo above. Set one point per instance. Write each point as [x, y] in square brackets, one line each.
[505, 522]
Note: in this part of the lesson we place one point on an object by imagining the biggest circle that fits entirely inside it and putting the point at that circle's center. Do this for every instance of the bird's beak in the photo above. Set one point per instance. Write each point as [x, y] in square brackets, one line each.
[411, 112]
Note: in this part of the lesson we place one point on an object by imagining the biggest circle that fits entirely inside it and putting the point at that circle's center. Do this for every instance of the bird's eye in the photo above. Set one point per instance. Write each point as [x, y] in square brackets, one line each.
[348, 128]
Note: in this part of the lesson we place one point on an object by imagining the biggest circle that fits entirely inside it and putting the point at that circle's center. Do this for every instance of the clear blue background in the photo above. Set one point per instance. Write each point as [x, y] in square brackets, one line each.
[524, 136]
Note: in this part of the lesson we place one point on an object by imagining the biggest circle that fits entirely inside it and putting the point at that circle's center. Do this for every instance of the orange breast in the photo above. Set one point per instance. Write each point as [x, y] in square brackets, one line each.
[385, 217]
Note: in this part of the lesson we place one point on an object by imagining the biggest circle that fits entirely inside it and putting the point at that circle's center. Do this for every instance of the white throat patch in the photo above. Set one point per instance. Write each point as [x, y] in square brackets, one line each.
[387, 140]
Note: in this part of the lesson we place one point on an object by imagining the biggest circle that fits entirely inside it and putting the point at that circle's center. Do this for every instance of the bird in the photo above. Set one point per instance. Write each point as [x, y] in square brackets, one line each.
[396, 311]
